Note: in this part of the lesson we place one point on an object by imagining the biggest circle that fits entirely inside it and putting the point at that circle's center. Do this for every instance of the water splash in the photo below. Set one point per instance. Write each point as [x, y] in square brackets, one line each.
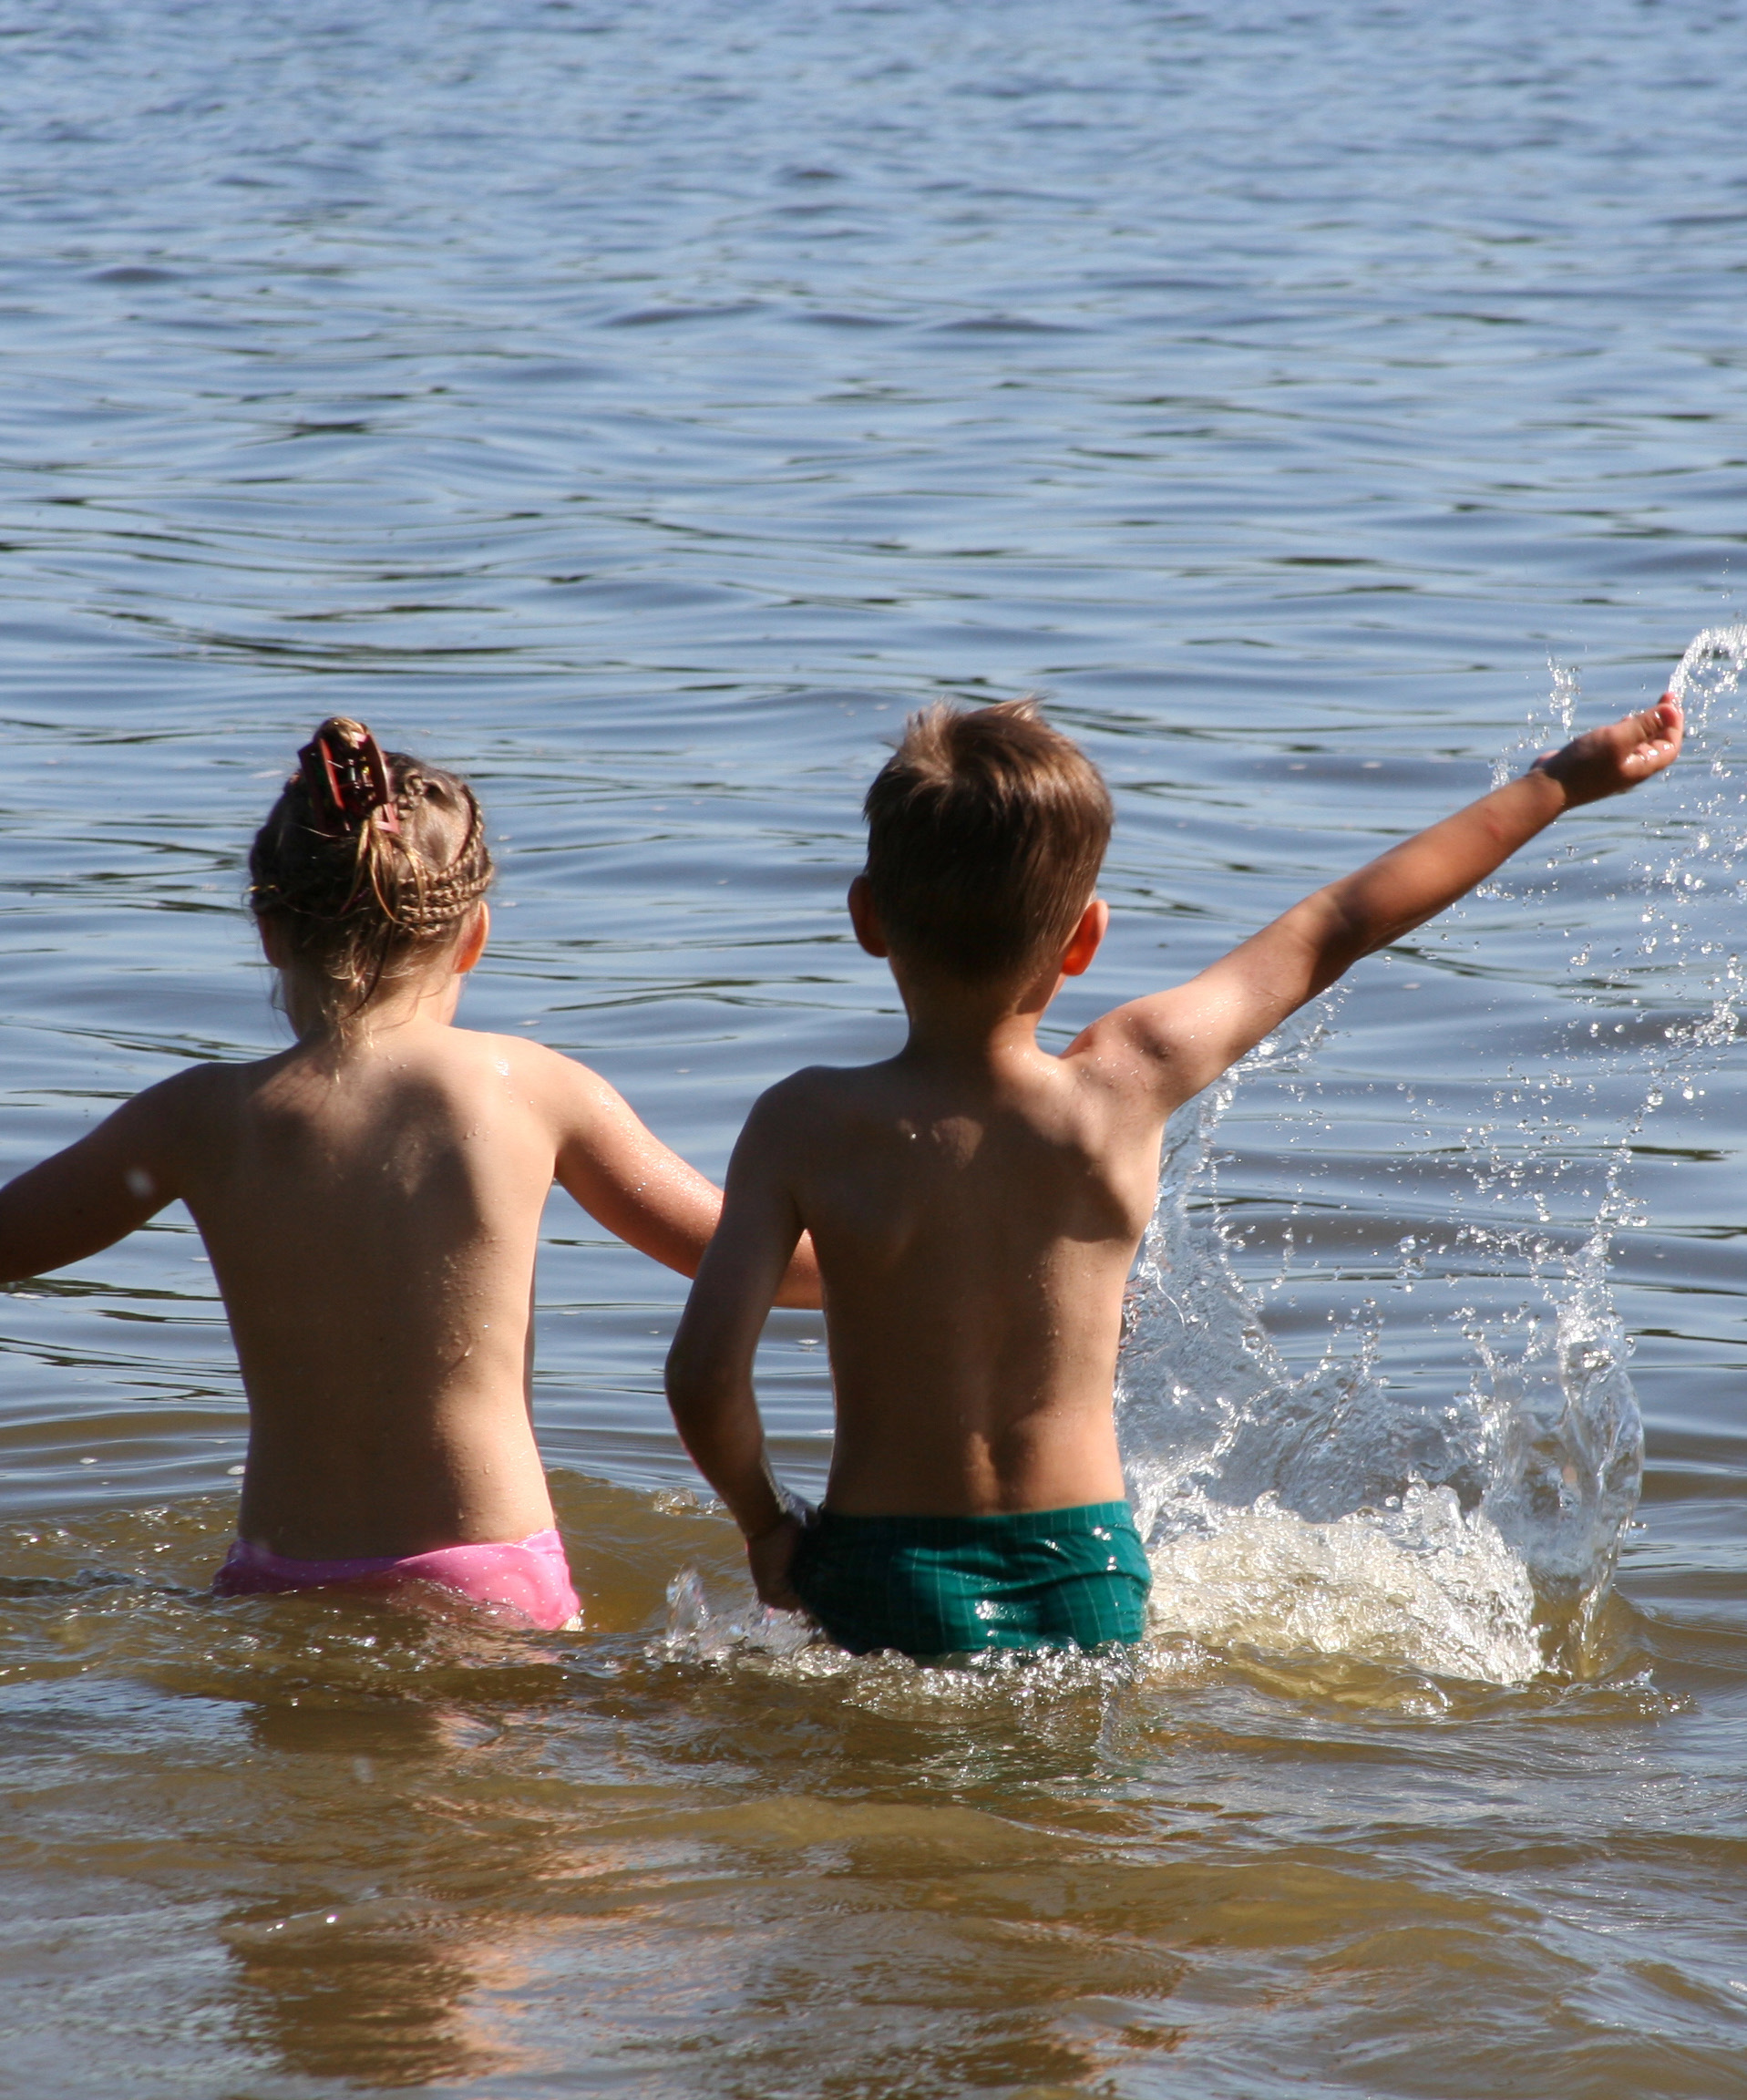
[1423, 1587]
[1310, 1513]
[1710, 670]
[1007, 1690]
[698, 1633]
[1464, 1516]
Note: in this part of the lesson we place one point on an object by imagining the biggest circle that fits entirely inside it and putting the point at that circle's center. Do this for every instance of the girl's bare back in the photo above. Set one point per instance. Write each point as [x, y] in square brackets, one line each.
[372, 1214]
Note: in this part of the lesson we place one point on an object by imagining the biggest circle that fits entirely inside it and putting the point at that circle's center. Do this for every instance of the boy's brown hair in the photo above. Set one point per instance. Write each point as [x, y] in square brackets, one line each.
[986, 829]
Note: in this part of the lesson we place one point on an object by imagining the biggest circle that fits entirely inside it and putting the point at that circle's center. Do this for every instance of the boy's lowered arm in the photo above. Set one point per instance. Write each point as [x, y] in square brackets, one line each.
[1192, 1033]
[641, 1189]
[709, 1367]
[97, 1191]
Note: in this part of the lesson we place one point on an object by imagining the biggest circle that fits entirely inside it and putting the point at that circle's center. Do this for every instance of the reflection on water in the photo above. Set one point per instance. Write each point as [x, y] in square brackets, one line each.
[417, 1850]
[639, 410]
[372, 1986]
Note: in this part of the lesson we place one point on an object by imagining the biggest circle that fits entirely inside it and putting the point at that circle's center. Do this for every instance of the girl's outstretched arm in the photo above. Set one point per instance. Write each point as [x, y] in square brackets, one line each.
[1189, 1035]
[622, 1174]
[100, 1189]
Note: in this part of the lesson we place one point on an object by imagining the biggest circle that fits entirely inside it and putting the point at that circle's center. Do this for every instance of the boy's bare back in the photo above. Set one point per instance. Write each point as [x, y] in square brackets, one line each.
[976, 1219]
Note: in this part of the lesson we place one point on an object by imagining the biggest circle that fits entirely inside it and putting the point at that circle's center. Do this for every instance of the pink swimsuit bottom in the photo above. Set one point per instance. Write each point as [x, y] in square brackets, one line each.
[530, 1578]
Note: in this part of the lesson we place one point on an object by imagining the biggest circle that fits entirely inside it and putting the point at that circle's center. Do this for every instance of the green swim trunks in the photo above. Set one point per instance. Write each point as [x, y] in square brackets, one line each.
[950, 1585]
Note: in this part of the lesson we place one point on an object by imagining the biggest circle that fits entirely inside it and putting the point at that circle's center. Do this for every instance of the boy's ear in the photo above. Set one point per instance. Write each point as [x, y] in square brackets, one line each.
[865, 920]
[1088, 937]
[472, 944]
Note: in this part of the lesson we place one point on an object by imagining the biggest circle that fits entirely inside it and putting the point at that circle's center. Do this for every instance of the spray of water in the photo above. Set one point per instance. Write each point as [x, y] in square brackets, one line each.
[1710, 670]
[1466, 1520]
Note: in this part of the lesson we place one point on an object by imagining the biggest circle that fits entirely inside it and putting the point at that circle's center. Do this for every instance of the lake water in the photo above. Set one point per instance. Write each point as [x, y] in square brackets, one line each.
[640, 410]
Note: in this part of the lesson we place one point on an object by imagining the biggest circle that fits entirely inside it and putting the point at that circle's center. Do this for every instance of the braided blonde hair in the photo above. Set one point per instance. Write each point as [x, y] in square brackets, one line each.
[368, 865]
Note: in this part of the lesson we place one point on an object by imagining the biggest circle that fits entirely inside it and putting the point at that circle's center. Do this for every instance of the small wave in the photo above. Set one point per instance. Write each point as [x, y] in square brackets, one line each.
[1021, 1684]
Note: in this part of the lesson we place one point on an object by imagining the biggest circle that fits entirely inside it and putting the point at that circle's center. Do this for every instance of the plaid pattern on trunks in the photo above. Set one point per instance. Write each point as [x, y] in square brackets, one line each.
[953, 1585]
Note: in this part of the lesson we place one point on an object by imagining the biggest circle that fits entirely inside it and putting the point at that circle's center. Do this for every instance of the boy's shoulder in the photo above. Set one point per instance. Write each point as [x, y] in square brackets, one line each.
[823, 1108]
[828, 1090]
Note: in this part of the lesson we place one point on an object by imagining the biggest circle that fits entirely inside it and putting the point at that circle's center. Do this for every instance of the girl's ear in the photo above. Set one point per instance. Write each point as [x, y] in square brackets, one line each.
[273, 942]
[472, 944]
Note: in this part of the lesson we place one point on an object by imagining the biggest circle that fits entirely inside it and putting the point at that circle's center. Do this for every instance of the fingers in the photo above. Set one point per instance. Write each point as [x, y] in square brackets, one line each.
[1610, 760]
[1661, 728]
[1656, 731]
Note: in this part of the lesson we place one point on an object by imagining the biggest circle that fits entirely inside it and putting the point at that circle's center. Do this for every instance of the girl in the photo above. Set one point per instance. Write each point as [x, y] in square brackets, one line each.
[370, 1198]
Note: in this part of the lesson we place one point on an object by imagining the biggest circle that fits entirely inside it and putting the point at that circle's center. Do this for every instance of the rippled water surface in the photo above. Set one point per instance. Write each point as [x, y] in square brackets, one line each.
[640, 409]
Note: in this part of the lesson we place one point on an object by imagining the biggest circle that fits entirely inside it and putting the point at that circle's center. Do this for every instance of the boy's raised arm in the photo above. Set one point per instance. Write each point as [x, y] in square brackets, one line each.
[641, 1189]
[1189, 1035]
[709, 1367]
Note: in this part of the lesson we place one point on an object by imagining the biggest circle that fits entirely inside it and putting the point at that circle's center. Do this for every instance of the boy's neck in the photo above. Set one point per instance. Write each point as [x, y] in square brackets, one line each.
[976, 1024]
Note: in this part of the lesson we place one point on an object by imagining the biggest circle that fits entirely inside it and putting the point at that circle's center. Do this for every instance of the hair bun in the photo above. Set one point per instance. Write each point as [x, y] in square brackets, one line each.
[348, 778]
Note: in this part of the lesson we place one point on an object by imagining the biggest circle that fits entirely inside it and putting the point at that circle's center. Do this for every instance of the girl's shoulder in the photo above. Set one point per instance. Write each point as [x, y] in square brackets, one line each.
[473, 1050]
[545, 1080]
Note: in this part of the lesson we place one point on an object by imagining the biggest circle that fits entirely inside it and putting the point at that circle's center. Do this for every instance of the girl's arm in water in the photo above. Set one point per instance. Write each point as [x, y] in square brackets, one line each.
[100, 1189]
[1189, 1035]
[622, 1174]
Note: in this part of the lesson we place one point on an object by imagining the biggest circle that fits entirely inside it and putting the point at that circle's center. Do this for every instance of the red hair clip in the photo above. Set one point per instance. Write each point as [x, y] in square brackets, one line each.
[348, 778]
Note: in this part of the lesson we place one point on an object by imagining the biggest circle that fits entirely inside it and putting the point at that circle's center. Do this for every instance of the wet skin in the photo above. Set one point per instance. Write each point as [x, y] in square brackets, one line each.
[371, 1202]
[977, 1202]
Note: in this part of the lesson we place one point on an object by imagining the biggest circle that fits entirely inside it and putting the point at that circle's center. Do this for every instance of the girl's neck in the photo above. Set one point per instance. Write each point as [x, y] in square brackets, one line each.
[425, 1002]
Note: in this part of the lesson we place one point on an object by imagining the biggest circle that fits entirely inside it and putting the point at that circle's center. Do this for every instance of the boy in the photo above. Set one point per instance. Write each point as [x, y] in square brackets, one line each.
[976, 1203]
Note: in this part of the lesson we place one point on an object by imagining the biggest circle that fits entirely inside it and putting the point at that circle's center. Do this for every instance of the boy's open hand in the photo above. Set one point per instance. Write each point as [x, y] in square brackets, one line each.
[1608, 761]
